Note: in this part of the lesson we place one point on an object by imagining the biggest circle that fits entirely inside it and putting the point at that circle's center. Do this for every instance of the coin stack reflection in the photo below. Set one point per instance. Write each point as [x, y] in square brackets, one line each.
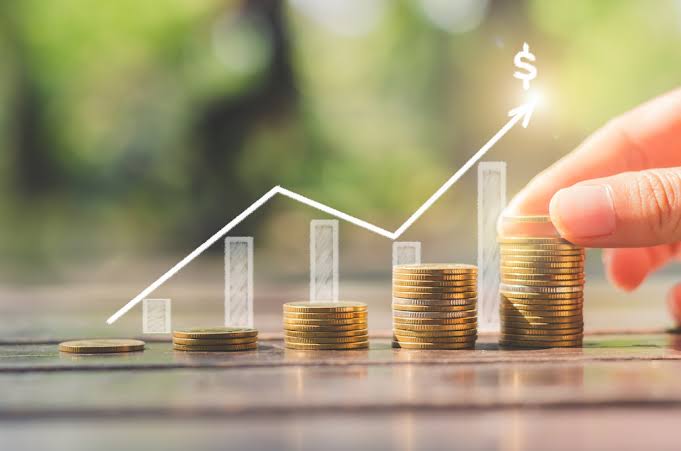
[542, 292]
[326, 325]
[434, 306]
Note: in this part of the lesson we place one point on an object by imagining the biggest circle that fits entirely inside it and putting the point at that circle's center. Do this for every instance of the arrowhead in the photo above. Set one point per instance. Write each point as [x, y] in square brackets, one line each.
[523, 112]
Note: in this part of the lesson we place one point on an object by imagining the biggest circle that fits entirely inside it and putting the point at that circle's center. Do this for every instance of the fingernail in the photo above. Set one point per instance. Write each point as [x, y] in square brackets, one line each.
[584, 211]
[673, 303]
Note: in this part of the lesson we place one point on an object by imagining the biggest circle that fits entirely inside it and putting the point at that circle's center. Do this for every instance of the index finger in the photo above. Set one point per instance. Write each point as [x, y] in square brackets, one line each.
[647, 137]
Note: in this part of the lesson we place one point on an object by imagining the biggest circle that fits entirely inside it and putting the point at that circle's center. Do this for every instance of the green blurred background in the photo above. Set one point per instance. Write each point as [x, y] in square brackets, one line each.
[135, 129]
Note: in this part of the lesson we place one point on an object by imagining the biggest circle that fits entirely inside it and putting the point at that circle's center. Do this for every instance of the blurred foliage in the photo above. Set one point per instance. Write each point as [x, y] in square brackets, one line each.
[133, 126]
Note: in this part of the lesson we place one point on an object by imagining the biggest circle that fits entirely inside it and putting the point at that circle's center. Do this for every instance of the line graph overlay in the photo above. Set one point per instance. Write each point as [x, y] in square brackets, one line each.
[518, 114]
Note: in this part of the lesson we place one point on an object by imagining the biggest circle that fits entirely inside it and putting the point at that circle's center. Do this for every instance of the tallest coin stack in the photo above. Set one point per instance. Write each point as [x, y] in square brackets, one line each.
[542, 292]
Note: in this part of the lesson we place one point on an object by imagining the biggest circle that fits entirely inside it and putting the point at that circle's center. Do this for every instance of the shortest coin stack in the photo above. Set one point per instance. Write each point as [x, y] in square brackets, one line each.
[434, 306]
[101, 346]
[326, 325]
[215, 339]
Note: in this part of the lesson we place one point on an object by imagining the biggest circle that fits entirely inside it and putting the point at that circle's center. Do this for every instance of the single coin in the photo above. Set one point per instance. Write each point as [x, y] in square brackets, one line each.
[435, 333]
[543, 325]
[324, 322]
[577, 300]
[321, 340]
[507, 306]
[216, 332]
[542, 344]
[101, 346]
[503, 250]
[435, 268]
[401, 322]
[323, 328]
[579, 272]
[515, 288]
[538, 264]
[543, 283]
[436, 290]
[297, 315]
[416, 295]
[327, 346]
[544, 296]
[542, 259]
[325, 334]
[450, 339]
[540, 219]
[547, 317]
[435, 283]
[432, 308]
[428, 328]
[527, 240]
[471, 278]
[541, 332]
[435, 302]
[542, 277]
[223, 348]
[561, 337]
[435, 315]
[432, 346]
[542, 247]
[325, 307]
[213, 341]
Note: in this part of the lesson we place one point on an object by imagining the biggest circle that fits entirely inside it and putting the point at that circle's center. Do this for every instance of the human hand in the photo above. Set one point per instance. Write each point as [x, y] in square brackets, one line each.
[621, 190]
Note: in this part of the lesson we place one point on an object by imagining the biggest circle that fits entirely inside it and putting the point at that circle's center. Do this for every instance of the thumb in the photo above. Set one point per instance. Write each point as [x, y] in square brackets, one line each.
[631, 209]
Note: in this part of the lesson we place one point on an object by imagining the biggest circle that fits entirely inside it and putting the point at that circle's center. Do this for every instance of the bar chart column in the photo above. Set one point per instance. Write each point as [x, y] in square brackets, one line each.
[239, 281]
[406, 252]
[491, 203]
[156, 316]
[323, 260]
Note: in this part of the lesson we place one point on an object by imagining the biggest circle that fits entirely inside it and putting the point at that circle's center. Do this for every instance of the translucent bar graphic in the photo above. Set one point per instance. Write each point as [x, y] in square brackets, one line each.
[239, 281]
[323, 260]
[406, 252]
[156, 316]
[491, 202]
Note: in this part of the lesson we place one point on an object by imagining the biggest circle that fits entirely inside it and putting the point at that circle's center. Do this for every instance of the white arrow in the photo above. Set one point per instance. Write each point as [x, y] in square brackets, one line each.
[522, 112]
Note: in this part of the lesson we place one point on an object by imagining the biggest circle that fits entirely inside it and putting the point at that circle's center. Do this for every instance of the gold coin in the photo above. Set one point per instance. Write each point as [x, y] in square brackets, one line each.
[541, 332]
[433, 346]
[213, 341]
[324, 328]
[542, 277]
[544, 283]
[101, 346]
[541, 247]
[541, 271]
[435, 315]
[216, 332]
[432, 308]
[506, 306]
[325, 307]
[325, 322]
[416, 295]
[449, 339]
[503, 250]
[541, 259]
[532, 240]
[541, 344]
[515, 311]
[530, 303]
[545, 325]
[222, 348]
[544, 296]
[471, 278]
[436, 291]
[428, 328]
[515, 288]
[435, 268]
[297, 315]
[435, 333]
[327, 346]
[399, 323]
[562, 337]
[325, 334]
[472, 283]
[536, 264]
[435, 302]
[325, 340]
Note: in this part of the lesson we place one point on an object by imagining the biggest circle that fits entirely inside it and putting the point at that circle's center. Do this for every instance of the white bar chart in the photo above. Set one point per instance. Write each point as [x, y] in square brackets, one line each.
[491, 203]
[156, 316]
[324, 260]
[239, 281]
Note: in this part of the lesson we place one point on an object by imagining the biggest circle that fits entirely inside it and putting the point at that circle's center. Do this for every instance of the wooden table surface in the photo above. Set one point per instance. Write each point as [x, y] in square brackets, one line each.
[621, 391]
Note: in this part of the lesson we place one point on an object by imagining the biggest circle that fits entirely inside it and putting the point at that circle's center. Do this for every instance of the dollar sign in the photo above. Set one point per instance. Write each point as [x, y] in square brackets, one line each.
[520, 64]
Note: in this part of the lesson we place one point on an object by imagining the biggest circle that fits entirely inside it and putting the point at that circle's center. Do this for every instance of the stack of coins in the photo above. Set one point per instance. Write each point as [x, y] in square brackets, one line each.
[542, 292]
[326, 325]
[215, 339]
[434, 306]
